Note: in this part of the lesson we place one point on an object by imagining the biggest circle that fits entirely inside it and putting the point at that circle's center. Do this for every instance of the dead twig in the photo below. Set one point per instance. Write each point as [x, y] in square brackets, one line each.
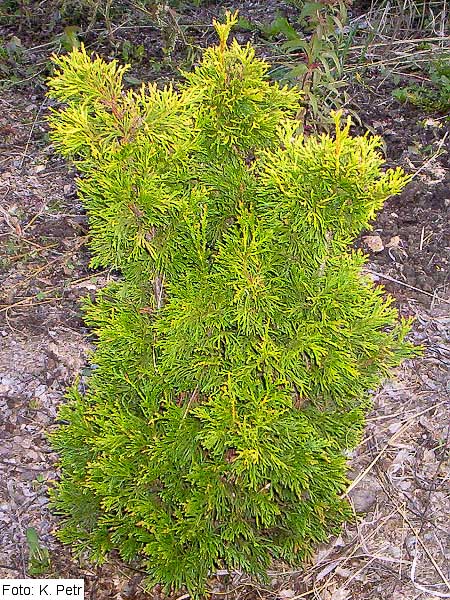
[397, 434]
[427, 552]
[30, 135]
[5, 307]
[412, 287]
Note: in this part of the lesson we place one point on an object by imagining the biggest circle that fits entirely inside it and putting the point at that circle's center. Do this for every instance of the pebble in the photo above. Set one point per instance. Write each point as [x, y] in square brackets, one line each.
[40, 390]
[365, 495]
[374, 243]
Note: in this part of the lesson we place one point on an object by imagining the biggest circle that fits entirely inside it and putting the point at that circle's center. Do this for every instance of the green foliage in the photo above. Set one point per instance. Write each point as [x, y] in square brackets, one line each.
[434, 96]
[235, 358]
[69, 39]
[63, 24]
[47, 14]
[11, 53]
[315, 59]
[39, 556]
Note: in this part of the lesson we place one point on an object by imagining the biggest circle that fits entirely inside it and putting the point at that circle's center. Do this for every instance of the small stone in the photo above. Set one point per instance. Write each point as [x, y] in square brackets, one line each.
[404, 485]
[21, 443]
[394, 427]
[374, 243]
[40, 390]
[344, 573]
[39, 168]
[432, 123]
[394, 242]
[365, 495]
[340, 594]
[68, 190]
[7, 381]
[428, 456]
[286, 594]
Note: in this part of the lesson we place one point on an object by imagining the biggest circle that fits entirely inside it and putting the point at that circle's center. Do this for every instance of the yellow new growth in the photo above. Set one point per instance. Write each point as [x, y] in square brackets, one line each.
[341, 134]
[223, 29]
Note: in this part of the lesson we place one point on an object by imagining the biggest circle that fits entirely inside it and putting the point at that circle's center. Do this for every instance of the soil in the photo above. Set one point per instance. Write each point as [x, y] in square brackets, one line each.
[399, 546]
[414, 226]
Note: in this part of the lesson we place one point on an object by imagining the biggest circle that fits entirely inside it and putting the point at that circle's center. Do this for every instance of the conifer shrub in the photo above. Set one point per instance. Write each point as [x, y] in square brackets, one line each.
[235, 358]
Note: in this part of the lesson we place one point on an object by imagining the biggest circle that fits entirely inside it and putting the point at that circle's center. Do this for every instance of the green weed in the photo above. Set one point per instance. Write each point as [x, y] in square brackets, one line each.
[433, 95]
[39, 556]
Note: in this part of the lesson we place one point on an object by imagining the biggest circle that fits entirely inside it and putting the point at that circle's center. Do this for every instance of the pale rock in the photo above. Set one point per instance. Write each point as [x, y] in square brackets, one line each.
[432, 123]
[340, 594]
[341, 572]
[428, 456]
[286, 594]
[404, 485]
[394, 242]
[22, 443]
[374, 243]
[7, 381]
[365, 494]
[404, 456]
[394, 427]
[40, 391]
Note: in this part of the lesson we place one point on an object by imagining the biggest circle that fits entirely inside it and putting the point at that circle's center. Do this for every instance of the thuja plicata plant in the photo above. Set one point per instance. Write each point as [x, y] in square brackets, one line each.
[235, 357]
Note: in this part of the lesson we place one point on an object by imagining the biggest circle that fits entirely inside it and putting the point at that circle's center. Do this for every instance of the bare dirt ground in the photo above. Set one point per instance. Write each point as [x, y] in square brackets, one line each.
[398, 548]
